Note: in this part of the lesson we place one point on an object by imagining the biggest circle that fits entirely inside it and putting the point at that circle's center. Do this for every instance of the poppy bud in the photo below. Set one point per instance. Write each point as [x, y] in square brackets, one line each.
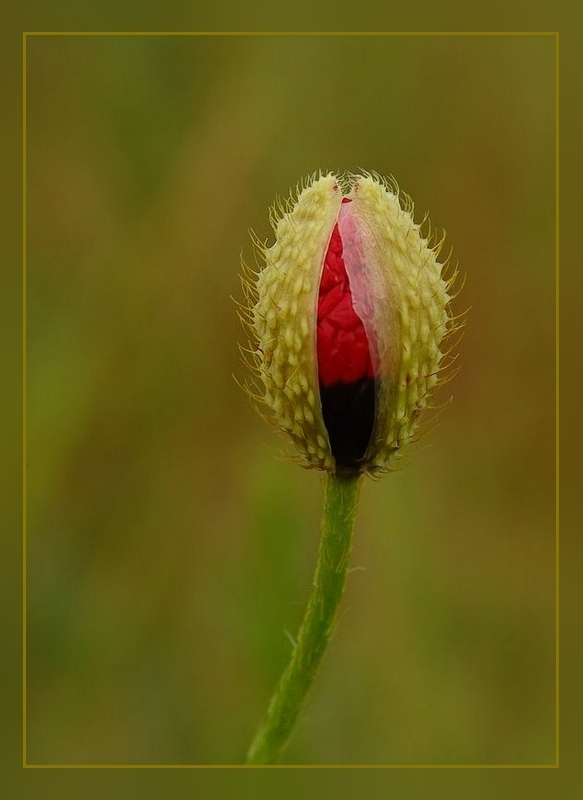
[347, 316]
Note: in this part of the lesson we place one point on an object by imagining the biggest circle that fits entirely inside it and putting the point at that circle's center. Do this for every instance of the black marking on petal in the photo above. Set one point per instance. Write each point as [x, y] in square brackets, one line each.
[348, 410]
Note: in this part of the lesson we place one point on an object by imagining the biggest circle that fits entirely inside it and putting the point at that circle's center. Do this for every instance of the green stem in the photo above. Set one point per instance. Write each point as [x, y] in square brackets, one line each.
[318, 624]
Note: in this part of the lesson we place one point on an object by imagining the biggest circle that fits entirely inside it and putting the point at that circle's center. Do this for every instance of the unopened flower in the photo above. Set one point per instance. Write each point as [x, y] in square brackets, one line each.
[347, 317]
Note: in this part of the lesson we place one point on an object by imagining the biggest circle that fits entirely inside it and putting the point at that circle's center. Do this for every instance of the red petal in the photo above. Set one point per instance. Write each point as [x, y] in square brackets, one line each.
[342, 345]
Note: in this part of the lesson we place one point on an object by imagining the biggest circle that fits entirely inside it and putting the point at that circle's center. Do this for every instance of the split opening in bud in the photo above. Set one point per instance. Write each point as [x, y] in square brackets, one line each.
[345, 354]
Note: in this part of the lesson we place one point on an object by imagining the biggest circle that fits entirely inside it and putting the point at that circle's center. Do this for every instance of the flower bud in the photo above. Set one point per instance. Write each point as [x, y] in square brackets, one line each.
[347, 316]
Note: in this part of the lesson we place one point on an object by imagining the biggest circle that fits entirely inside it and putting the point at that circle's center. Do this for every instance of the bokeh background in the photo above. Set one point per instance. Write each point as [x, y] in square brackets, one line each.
[170, 545]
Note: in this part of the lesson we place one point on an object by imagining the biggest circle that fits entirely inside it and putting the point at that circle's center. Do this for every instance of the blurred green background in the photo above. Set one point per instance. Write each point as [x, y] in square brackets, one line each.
[170, 547]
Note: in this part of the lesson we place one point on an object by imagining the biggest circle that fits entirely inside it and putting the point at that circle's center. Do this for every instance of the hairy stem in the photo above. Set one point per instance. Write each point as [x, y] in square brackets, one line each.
[318, 623]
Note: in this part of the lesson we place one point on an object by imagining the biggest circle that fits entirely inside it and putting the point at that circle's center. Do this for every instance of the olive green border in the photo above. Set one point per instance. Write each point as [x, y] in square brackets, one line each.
[72, 780]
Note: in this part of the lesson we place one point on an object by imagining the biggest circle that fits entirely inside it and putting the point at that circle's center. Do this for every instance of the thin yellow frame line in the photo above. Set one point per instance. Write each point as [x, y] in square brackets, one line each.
[557, 404]
[24, 399]
[291, 33]
[555, 34]
[291, 766]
